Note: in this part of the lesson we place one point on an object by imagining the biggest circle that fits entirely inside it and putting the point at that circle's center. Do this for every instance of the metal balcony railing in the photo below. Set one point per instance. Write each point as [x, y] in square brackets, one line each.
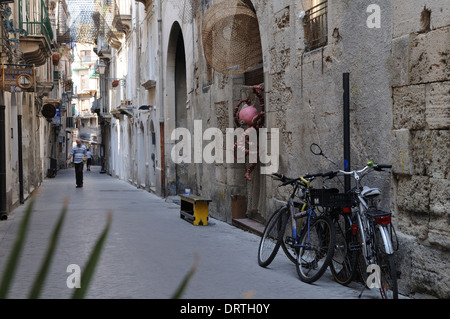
[35, 23]
[316, 26]
[87, 59]
[56, 76]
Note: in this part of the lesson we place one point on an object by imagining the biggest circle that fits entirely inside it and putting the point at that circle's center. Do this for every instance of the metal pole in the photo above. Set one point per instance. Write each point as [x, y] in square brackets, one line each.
[19, 129]
[346, 80]
[3, 212]
[161, 67]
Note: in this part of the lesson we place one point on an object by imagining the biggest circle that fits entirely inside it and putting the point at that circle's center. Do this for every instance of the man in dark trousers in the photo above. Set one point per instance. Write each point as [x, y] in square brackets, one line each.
[78, 154]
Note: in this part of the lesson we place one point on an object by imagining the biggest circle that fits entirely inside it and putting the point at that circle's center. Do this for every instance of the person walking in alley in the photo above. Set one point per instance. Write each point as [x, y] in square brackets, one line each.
[78, 153]
[89, 160]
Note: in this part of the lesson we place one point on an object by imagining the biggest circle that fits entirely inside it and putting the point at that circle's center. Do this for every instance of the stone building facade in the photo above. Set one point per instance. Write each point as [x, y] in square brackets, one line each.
[33, 139]
[396, 54]
[420, 84]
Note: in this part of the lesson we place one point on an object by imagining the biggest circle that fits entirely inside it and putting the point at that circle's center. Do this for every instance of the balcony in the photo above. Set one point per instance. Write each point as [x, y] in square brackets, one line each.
[36, 46]
[63, 29]
[88, 59]
[122, 20]
[103, 50]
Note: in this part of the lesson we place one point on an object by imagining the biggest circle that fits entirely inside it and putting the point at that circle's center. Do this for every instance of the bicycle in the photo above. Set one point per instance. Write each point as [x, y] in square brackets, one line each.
[311, 237]
[375, 233]
[338, 206]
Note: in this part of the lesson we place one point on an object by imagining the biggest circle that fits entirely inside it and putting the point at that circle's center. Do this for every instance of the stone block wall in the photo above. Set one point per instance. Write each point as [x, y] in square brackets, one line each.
[421, 132]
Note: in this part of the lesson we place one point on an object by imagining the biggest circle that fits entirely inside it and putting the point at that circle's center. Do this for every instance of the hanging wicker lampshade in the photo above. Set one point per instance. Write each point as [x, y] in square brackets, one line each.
[231, 38]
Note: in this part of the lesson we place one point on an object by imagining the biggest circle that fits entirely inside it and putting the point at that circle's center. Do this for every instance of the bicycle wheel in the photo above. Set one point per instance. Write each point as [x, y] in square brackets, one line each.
[388, 276]
[316, 249]
[344, 262]
[272, 237]
[364, 254]
[288, 241]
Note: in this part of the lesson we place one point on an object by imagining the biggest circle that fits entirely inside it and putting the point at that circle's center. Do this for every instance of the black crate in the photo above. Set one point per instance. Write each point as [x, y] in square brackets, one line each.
[330, 198]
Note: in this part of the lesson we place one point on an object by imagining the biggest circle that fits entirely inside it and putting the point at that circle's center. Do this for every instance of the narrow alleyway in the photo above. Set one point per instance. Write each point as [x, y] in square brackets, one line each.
[149, 248]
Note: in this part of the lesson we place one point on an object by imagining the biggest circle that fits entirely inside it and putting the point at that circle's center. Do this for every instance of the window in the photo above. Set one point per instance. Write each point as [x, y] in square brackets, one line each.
[86, 56]
[84, 82]
[316, 25]
[85, 105]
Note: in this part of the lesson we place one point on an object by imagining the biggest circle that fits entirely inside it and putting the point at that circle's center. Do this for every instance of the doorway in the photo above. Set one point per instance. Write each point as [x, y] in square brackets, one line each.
[177, 96]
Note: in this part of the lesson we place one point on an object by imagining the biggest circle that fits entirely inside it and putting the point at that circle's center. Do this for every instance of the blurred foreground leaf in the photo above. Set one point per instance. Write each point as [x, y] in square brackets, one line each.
[92, 262]
[179, 292]
[13, 260]
[42, 274]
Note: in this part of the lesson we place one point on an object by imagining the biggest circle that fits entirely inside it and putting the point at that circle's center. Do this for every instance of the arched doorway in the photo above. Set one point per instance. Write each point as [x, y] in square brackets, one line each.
[176, 88]
[129, 157]
[153, 157]
[232, 46]
[142, 158]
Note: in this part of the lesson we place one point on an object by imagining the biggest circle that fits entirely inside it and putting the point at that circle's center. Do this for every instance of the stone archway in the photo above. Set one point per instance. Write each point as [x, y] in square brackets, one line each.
[152, 157]
[141, 161]
[232, 46]
[176, 88]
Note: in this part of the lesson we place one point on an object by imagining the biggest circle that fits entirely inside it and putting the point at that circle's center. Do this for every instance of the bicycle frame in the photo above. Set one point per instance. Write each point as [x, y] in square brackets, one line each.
[303, 213]
[363, 222]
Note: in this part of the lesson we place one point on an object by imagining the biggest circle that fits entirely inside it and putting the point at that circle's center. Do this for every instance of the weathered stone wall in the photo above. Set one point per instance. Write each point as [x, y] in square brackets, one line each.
[399, 114]
[399, 81]
[421, 129]
[36, 133]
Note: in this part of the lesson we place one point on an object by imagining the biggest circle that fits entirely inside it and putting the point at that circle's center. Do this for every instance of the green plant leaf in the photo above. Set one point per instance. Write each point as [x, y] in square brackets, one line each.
[179, 292]
[92, 262]
[42, 274]
[13, 260]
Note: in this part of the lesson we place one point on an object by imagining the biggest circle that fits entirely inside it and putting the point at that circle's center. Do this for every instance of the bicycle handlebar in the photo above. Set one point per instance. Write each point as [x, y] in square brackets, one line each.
[286, 180]
[331, 174]
[313, 175]
[376, 167]
[379, 167]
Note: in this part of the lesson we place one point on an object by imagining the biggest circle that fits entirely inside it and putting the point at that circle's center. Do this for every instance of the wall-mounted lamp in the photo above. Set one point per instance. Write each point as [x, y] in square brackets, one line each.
[101, 67]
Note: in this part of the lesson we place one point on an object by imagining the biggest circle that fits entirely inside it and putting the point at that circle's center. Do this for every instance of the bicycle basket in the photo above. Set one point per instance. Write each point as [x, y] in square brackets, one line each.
[330, 198]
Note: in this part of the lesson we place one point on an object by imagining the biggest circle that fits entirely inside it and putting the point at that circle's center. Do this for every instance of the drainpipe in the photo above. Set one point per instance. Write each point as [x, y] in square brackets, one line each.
[3, 212]
[161, 69]
[19, 129]
[138, 55]
[161, 100]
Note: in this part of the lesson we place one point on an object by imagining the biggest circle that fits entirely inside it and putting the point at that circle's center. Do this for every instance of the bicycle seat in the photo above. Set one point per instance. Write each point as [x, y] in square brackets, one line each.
[369, 192]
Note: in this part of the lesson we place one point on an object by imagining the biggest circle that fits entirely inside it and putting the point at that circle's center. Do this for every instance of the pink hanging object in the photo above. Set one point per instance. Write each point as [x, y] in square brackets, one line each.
[247, 114]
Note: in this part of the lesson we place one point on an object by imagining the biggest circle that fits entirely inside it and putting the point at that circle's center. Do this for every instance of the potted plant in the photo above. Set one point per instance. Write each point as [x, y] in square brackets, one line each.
[55, 58]
[69, 85]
